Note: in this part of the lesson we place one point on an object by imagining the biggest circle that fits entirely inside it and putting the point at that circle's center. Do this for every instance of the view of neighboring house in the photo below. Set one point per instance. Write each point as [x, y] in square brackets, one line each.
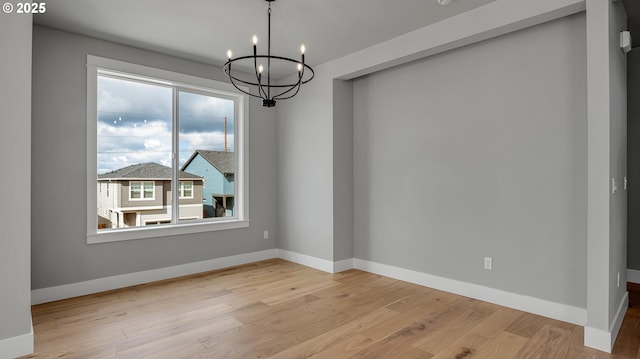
[140, 195]
[218, 169]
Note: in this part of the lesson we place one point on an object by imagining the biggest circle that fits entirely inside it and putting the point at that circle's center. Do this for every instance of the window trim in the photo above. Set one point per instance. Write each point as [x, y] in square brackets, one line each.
[181, 190]
[97, 64]
[142, 191]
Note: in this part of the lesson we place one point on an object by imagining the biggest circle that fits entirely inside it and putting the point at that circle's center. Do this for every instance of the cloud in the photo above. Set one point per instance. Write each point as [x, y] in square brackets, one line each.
[132, 101]
[120, 146]
[211, 141]
[108, 101]
[205, 113]
[135, 124]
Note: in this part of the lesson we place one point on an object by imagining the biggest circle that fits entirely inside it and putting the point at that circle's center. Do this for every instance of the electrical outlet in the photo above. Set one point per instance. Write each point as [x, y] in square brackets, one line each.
[488, 263]
[266, 234]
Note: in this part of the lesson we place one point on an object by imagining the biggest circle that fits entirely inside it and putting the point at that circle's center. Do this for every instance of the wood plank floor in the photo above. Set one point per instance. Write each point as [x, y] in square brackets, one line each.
[277, 309]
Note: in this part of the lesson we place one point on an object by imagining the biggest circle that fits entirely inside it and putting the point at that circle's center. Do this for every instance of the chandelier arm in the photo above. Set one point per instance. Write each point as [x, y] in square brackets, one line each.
[231, 79]
[313, 74]
[261, 91]
[243, 91]
[235, 79]
[297, 87]
[260, 87]
[247, 83]
[294, 86]
[241, 80]
[258, 76]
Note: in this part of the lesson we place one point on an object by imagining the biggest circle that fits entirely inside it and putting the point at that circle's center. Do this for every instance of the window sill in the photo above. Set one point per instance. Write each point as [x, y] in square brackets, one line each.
[164, 230]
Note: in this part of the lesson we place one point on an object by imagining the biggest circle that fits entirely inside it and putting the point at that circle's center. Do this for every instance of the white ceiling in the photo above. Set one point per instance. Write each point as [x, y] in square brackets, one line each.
[203, 30]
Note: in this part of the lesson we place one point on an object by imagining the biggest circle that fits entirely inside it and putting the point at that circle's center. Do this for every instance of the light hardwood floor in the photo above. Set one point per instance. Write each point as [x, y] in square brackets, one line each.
[277, 309]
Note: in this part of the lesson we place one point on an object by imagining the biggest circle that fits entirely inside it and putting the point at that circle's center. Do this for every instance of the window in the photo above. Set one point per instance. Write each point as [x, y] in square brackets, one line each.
[186, 189]
[157, 138]
[141, 190]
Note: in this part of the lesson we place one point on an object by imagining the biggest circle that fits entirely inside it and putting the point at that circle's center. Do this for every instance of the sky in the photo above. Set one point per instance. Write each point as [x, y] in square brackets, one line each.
[135, 123]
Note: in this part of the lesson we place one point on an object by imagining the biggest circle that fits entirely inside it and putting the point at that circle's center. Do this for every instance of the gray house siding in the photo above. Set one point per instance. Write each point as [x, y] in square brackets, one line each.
[126, 202]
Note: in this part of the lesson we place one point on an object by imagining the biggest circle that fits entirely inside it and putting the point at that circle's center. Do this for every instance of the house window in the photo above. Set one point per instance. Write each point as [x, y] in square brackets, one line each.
[142, 190]
[186, 189]
[158, 136]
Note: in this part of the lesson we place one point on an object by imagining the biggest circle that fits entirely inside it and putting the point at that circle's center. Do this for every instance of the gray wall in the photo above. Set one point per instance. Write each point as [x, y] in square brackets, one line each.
[305, 164]
[60, 254]
[480, 151]
[15, 154]
[315, 160]
[342, 170]
[633, 150]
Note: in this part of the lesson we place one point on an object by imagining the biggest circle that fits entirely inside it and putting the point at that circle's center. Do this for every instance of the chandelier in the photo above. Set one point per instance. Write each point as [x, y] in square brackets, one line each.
[267, 91]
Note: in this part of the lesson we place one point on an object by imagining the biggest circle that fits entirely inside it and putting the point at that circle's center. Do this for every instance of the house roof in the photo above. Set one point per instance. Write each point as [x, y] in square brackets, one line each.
[223, 161]
[149, 170]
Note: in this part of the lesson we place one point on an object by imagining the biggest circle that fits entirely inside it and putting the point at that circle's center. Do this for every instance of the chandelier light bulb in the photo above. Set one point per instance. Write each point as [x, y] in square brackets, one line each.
[260, 69]
[302, 49]
[299, 67]
[255, 40]
[229, 53]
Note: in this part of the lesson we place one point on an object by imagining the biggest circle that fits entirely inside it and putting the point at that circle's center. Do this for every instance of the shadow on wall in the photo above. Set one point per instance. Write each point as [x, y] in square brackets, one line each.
[633, 158]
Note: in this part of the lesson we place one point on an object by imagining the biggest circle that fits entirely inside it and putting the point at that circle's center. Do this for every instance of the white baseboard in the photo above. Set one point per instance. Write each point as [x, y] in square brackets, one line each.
[602, 339]
[316, 263]
[617, 320]
[51, 294]
[17, 346]
[597, 339]
[633, 276]
[343, 265]
[306, 260]
[563, 312]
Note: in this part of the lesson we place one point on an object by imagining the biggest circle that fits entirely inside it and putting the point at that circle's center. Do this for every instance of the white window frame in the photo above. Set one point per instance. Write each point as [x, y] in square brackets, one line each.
[96, 65]
[181, 189]
[142, 191]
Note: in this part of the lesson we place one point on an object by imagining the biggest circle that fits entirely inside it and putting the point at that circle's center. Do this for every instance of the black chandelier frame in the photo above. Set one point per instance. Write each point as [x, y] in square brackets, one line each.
[264, 91]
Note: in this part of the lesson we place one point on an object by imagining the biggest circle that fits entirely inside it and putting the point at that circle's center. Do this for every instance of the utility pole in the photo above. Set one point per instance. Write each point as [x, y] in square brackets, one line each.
[225, 134]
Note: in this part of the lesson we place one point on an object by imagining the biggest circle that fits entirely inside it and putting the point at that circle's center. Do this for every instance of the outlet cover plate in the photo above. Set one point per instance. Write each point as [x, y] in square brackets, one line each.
[488, 263]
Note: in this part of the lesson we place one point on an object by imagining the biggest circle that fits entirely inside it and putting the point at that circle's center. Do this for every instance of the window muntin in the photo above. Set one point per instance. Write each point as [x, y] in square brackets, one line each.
[119, 70]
